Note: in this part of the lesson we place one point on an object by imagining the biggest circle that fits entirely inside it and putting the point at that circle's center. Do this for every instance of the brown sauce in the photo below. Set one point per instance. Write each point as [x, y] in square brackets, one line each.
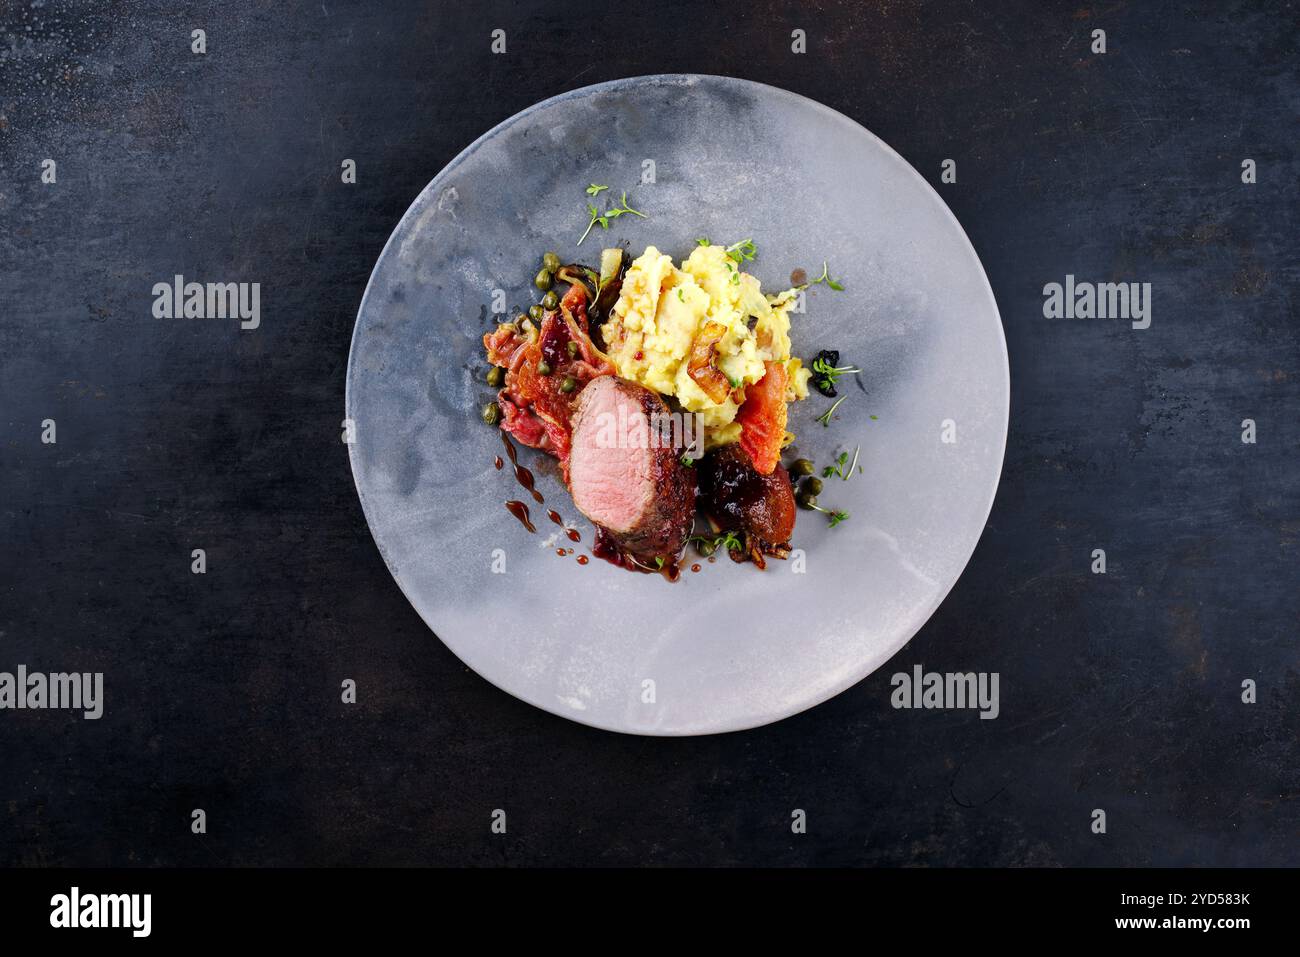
[525, 478]
[798, 277]
[520, 511]
[695, 567]
[523, 475]
[573, 534]
[498, 463]
[607, 547]
[582, 559]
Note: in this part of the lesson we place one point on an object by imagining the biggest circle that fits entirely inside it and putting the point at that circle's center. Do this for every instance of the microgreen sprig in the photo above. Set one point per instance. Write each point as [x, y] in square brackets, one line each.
[824, 277]
[711, 543]
[826, 372]
[836, 515]
[597, 217]
[825, 417]
[743, 251]
[841, 461]
[623, 207]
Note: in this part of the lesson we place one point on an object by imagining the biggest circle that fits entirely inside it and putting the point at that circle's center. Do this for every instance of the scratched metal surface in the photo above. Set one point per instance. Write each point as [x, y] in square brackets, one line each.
[1118, 692]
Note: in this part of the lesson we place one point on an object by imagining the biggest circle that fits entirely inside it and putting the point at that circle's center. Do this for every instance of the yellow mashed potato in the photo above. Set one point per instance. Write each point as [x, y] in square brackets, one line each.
[661, 310]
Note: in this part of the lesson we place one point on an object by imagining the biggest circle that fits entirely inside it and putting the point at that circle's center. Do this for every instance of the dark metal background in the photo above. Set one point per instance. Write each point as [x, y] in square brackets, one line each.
[1119, 692]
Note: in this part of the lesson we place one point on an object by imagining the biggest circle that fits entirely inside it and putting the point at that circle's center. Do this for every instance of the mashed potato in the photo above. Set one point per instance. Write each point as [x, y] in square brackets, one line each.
[663, 308]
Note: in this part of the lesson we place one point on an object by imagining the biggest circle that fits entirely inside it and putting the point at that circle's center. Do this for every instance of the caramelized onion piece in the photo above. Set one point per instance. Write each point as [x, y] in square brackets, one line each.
[702, 366]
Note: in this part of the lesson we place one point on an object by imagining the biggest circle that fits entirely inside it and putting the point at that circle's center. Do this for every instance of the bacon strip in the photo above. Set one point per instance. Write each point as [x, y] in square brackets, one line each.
[762, 418]
[535, 408]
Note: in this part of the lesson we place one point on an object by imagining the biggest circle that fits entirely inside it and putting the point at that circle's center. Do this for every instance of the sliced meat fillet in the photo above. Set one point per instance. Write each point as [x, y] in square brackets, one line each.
[625, 475]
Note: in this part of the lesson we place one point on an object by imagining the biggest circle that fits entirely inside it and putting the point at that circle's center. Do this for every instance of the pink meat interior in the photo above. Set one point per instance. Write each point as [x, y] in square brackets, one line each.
[610, 468]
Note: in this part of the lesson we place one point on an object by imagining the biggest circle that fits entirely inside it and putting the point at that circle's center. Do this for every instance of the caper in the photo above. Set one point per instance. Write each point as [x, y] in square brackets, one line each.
[543, 368]
[519, 319]
[535, 312]
[805, 500]
[571, 348]
[491, 413]
[550, 262]
[550, 301]
[812, 486]
[801, 467]
[569, 384]
[544, 280]
[705, 548]
[495, 376]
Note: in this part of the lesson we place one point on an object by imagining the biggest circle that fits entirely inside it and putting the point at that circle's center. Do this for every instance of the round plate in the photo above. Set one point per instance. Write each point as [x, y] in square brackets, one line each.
[730, 647]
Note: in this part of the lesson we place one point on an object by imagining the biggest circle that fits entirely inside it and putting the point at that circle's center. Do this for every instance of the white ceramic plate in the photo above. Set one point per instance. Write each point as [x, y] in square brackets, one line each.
[730, 647]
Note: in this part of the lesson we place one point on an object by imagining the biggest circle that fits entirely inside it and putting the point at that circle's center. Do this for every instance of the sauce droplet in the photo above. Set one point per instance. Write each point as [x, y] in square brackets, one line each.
[573, 534]
[522, 474]
[695, 567]
[520, 511]
[582, 559]
[498, 463]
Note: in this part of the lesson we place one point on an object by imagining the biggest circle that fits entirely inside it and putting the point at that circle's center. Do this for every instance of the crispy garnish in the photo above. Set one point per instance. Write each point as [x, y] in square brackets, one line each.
[763, 418]
[702, 365]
